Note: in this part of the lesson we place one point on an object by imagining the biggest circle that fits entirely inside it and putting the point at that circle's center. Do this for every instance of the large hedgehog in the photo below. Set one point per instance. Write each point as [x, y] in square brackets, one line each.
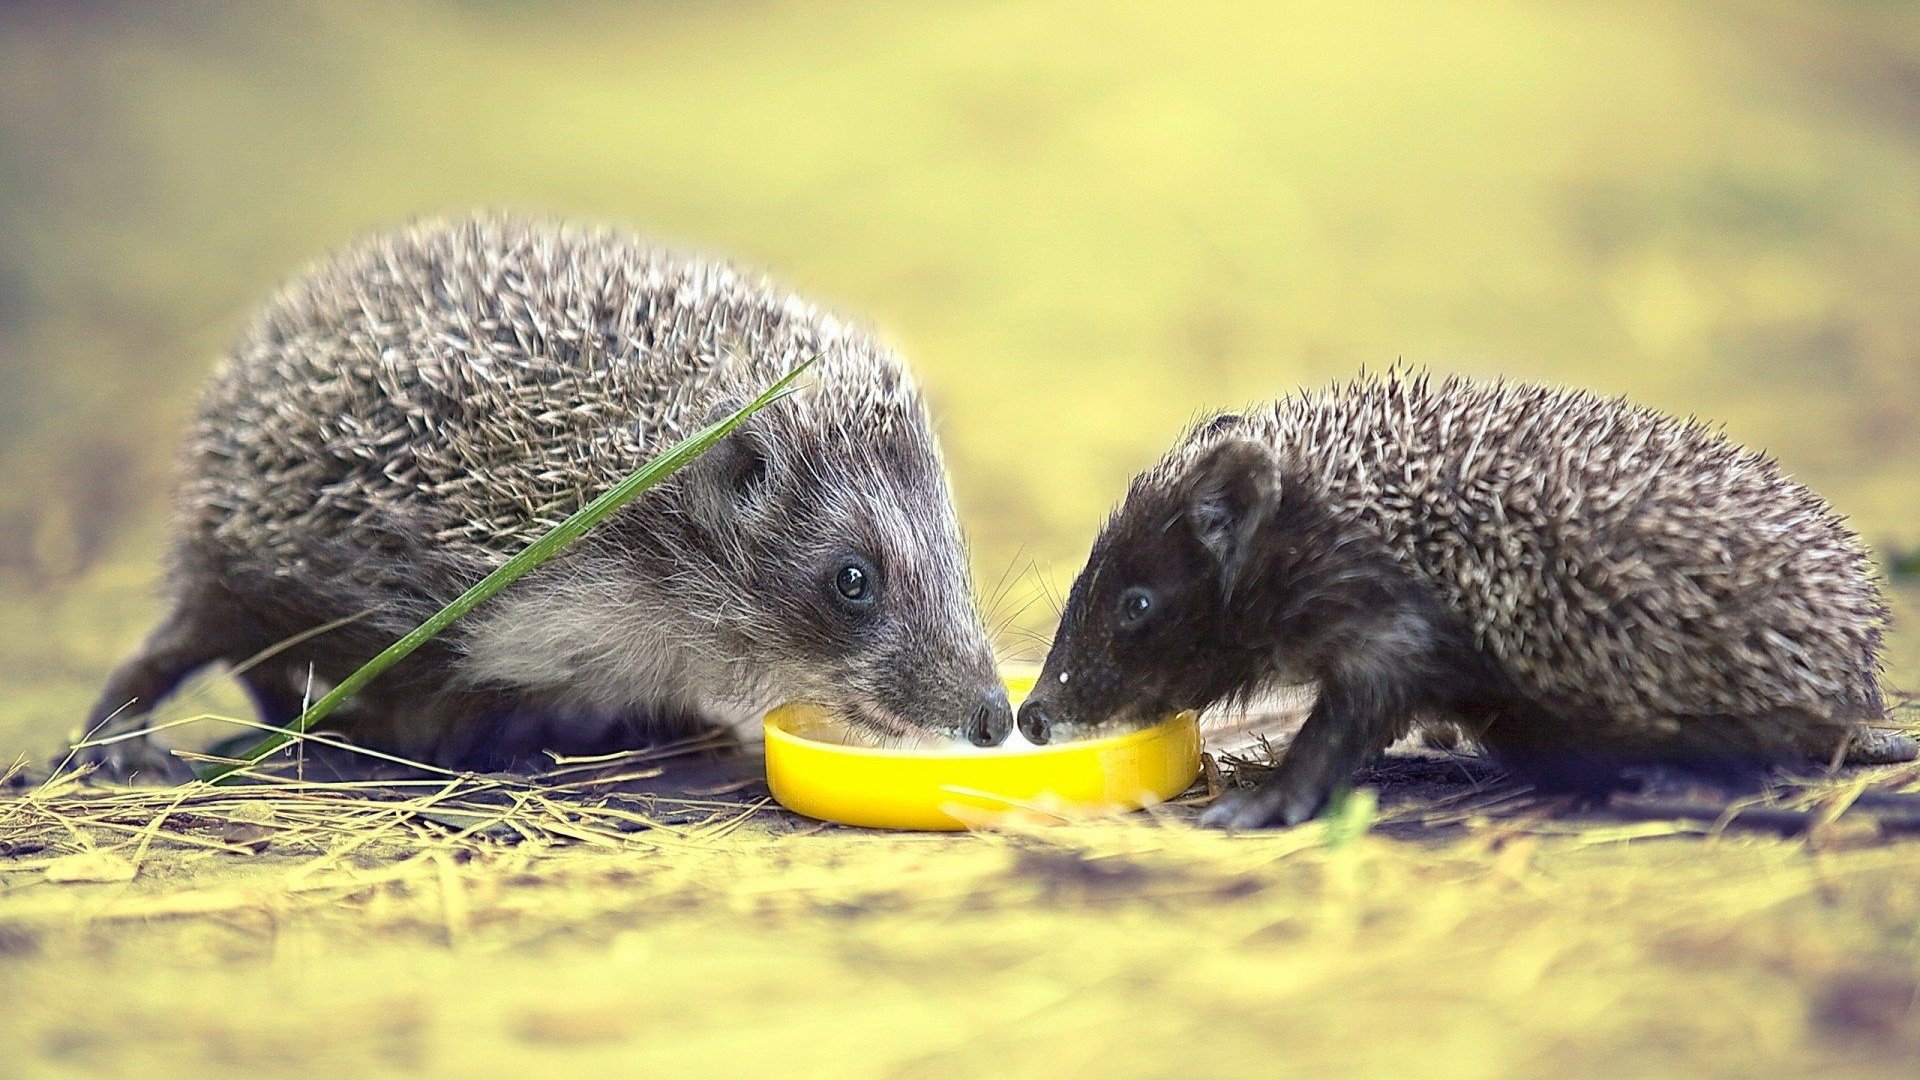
[1582, 583]
[409, 414]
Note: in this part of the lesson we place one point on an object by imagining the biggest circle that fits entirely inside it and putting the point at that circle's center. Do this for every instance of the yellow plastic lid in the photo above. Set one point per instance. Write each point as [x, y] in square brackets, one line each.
[957, 787]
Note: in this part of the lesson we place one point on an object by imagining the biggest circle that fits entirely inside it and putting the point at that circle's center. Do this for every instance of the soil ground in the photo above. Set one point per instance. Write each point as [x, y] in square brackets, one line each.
[1471, 932]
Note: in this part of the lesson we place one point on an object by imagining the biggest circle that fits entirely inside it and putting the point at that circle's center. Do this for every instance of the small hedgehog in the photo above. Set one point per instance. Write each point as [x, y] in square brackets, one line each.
[404, 418]
[1583, 584]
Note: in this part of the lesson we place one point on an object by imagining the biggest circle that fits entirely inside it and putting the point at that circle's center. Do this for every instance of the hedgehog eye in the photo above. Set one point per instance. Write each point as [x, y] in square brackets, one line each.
[855, 583]
[1135, 605]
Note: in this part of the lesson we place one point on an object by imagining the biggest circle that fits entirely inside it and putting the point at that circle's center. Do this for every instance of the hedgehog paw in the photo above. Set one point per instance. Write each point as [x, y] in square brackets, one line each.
[136, 760]
[1271, 805]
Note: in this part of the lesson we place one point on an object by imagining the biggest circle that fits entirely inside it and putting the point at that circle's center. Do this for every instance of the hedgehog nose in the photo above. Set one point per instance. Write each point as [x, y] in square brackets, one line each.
[1036, 724]
[992, 719]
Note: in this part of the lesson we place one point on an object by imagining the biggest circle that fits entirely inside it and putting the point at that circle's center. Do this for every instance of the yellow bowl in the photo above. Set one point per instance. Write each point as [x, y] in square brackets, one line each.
[953, 788]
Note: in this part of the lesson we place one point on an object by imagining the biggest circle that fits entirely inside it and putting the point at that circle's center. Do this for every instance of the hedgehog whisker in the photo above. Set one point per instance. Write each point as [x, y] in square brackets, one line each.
[1002, 585]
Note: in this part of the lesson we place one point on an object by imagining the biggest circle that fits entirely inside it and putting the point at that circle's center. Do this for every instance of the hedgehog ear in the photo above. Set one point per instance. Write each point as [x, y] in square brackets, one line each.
[729, 480]
[1231, 492]
[1218, 424]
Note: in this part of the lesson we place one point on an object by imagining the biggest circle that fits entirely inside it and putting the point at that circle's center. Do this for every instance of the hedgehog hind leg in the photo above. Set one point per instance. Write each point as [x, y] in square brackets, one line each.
[1792, 736]
[1731, 753]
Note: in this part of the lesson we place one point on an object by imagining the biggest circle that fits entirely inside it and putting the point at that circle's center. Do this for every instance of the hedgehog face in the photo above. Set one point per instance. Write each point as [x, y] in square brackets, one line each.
[846, 574]
[1157, 621]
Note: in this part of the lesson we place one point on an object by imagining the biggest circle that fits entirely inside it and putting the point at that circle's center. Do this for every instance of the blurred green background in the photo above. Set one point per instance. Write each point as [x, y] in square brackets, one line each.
[1082, 223]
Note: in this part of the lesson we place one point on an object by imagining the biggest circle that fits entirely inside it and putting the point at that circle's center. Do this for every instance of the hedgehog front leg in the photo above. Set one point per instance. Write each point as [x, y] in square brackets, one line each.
[118, 746]
[1358, 713]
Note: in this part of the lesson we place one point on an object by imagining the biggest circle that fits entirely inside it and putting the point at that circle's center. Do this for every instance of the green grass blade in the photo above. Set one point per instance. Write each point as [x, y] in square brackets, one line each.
[529, 557]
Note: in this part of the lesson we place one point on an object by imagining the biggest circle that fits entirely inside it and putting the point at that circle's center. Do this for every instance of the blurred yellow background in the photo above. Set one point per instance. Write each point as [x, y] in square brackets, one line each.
[1082, 223]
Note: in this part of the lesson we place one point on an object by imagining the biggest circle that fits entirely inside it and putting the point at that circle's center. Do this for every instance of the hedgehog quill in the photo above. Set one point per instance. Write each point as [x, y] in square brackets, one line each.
[1582, 584]
[405, 417]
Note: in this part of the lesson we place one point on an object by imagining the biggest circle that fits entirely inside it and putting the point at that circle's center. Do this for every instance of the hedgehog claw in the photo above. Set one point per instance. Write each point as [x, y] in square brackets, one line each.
[135, 760]
[1271, 805]
[119, 749]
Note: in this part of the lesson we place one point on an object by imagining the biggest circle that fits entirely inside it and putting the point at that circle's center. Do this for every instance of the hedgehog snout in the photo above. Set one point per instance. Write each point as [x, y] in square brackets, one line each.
[1036, 722]
[991, 720]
